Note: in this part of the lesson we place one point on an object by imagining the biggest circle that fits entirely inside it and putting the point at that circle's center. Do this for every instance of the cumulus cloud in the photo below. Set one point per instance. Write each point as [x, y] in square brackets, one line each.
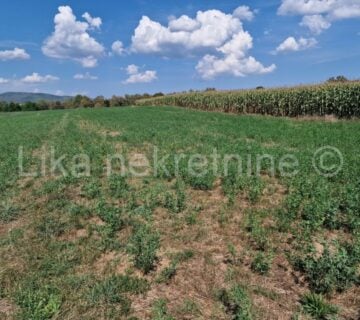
[16, 54]
[235, 61]
[132, 69]
[86, 76]
[37, 78]
[291, 44]
[135, 76]
[318, 15]
[71, 39]
[118, 48]
[316, 23]
[184, 23]
[216, 36]
[210, 67]
[93, 22]
[244, 13]
[3, 81]
[185, 36]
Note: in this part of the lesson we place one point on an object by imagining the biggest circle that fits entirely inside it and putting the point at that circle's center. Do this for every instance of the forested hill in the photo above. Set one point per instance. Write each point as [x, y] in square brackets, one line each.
[20, 97]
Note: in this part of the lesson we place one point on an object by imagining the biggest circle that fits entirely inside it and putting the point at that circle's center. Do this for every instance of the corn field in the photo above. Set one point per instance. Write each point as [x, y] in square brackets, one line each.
[341, 100]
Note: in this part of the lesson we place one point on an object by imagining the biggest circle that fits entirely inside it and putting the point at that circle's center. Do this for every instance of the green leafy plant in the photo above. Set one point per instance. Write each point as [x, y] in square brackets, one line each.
[316, 306]
[237, 303]
[111, 215]
[261, 263]
[160, 311]
[168, 273]
[332, 271]
[92, 190]
[118, 186]
[143, 245]
[8, 212]
[37, 302]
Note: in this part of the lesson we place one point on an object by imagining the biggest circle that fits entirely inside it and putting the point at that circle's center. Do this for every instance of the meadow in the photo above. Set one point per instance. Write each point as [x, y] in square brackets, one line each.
[171, 245]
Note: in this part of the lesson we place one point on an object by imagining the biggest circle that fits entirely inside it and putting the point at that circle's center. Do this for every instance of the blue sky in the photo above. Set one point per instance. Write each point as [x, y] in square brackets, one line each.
[224, 44]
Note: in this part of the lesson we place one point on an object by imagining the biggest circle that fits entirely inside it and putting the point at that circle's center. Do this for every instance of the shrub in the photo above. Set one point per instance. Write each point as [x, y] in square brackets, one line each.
[111, 215]
[118, 186]
[168, 273]
[256, 188]
[91, 190]
[8, 212]
[113, 290]
[259, 235]
[160, 311]
[261, 263]
[202, 182]
[332, 271]
[110, 289]
[176, 202]
[237, 303]
[143, 246]
[315, 305]
[50, 226]
[37, 302]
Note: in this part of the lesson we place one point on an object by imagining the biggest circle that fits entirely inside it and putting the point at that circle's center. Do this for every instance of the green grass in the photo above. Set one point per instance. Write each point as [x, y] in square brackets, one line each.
[93, 247]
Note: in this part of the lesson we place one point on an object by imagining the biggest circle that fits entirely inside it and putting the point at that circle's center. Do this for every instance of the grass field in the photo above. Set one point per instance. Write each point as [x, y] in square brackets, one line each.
[176, 245]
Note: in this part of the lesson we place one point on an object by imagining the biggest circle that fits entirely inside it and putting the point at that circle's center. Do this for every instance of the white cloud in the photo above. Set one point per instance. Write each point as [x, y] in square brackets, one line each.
[316, 23]
[318, 15]
[135, 76]
[244, 13]
[307, 7]
[185, 36]
[86, 76]
[93, 22]
[16, 54]
[132, 69]
[37, 78]
[3, 81]
[118, 48]
[291, 44]
[184, 23]
[210, 67]
[71, 40]
[216, 36]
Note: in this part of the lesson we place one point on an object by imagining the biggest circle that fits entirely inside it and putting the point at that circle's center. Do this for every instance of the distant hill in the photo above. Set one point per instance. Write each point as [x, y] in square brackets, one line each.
[20, 97]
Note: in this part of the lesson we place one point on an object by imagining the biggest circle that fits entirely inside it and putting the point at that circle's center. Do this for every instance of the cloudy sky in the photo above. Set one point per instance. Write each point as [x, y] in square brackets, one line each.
[117, 47]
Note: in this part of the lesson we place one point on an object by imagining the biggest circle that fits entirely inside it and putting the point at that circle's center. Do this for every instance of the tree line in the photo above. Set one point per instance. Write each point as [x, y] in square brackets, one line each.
[78, 101]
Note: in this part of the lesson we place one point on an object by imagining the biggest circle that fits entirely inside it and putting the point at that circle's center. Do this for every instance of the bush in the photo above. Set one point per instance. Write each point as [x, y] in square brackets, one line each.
[143, 245]
[317, 307]
[202, 182]
[8, 212]
[259, 235]
[160, 311]
[113, 290]
[168, 273]
[118, 186]
[261, 263]
[111, 215]
[92, 190]
[37, 302]
[237, 303]
[176, 203]
[333, 271]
